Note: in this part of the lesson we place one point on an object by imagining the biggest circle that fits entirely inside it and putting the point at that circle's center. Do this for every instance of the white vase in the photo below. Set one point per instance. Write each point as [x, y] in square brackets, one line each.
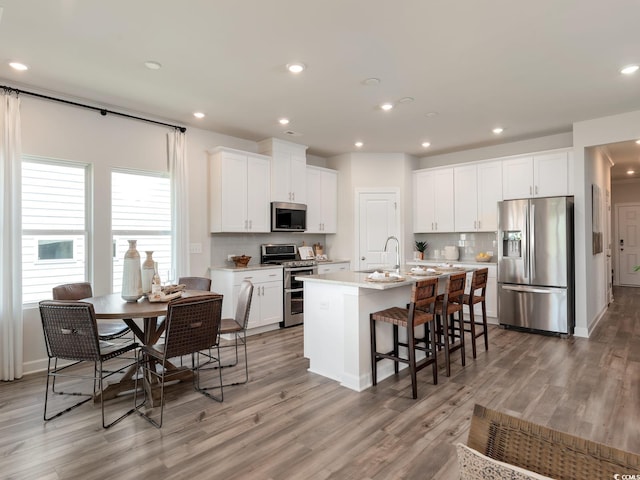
[131, 274]
[148, 269]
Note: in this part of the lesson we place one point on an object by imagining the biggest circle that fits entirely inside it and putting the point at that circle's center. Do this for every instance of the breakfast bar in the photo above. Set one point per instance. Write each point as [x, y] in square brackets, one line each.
[336, 325]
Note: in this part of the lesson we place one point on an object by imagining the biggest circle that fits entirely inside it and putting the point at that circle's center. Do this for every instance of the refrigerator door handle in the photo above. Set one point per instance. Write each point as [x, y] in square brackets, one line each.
[525, 289]
[526, 242]
[532, 243]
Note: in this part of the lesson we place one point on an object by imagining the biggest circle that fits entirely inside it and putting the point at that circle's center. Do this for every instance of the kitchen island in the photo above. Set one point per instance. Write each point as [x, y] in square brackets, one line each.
[336, 324]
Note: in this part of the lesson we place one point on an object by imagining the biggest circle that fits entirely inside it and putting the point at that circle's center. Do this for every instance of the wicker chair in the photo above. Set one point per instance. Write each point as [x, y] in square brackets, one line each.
[546, 451]
[71, 333]
[419, 312]
[238, 327]
[450, 329]
[477, 295]
[192, 326]
[196, 283]
[107, 331]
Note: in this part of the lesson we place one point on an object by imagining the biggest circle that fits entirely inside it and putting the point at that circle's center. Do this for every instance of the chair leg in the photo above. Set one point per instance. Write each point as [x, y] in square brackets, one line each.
[461, 331]
[396, 349]
[374, 360]
[432, 341]
[447, 360]
[53, 373]
[412, 360]
[484, 324]
[195, 363]
[472, 329]
[148, 373]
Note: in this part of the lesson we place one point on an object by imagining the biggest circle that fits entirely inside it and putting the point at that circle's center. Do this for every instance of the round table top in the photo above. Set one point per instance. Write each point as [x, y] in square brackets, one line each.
[112, 306]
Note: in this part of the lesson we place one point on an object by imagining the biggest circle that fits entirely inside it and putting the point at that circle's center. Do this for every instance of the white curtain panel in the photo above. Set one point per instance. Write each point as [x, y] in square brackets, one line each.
[11, 239]
[177, 150]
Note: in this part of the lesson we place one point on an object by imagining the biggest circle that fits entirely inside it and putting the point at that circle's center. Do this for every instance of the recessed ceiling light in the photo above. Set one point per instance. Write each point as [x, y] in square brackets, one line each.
[629, 69]
[498, 130]
[630, 172]
[296, 67]
[430, 114]
[426, 144]
[152, 65]
[18, 66]
[198, 115]
[359, 144]
[406, 100]
[386, 106]
[283, 121]
[371, 82]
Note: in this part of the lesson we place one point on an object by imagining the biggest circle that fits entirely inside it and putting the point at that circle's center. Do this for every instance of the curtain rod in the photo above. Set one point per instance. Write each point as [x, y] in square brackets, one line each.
[103, 111]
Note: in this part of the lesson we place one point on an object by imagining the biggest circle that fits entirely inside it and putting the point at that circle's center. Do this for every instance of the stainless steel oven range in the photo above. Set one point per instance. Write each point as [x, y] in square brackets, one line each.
[287, 256]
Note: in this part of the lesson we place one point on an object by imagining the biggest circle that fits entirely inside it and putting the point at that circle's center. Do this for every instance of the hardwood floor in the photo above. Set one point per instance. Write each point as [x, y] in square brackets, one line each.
[291, 424]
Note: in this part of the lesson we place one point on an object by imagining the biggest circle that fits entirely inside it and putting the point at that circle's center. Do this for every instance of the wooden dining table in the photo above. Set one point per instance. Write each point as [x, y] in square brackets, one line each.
[153, 315]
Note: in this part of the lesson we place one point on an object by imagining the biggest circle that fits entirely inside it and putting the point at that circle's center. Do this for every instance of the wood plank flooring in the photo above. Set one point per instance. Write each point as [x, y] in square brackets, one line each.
[288, 423]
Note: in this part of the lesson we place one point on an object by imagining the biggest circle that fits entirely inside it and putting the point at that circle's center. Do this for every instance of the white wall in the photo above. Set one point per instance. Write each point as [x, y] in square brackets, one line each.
[366, 171]
[590, 133]
[55, 130]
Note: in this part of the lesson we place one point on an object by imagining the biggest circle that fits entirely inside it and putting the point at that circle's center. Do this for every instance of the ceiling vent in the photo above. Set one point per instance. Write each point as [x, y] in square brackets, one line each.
[291, 133]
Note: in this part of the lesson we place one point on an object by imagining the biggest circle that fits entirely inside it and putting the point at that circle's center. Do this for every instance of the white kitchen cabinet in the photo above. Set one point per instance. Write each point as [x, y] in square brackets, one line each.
[477, 191]
[537, 175]
[433, 200]
[266, 303]
[288, 170]
[333, 267]
[322, 200]
[239, 191]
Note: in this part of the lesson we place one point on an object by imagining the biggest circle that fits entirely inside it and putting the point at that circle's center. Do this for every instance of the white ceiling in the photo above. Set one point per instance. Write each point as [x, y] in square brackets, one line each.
[533, 67]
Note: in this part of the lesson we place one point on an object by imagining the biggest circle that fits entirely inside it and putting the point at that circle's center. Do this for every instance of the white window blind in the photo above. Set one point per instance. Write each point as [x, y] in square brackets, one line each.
[140, 210]
[54, 233]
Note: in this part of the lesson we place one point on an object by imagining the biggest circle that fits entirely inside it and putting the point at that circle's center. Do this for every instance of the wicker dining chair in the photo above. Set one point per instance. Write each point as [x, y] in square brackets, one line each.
[196, 283]
[192, 326]
[77, 291]
[71, 333]
[237, 327]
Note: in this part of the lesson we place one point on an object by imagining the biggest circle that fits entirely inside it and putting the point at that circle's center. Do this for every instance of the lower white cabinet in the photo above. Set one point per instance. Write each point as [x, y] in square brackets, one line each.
[333, 267]
[266, 303]
[491, 297]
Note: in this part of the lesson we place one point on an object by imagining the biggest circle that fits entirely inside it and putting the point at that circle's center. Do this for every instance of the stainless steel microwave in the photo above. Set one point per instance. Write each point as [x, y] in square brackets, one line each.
[288, 217]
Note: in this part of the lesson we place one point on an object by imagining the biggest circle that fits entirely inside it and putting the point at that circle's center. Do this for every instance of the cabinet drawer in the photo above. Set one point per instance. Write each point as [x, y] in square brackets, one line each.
[258, 276]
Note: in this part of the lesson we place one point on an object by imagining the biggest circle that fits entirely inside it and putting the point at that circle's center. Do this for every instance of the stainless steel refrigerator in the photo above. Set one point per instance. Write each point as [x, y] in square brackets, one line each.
[536, 264]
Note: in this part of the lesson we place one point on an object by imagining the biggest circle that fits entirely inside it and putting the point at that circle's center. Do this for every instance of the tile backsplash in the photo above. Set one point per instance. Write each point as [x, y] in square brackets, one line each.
[469, 244]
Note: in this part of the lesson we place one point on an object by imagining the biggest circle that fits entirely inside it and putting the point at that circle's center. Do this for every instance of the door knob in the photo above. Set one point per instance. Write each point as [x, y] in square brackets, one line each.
[363, 258]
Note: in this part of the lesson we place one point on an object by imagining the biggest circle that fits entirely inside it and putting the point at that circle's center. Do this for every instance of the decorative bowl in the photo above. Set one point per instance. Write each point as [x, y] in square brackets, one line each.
[240, 260]
[483, 259]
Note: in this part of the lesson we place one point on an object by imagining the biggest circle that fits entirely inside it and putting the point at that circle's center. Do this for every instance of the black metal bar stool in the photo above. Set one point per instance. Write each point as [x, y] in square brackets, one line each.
[477, 294]
[420, 312]
[451, 329]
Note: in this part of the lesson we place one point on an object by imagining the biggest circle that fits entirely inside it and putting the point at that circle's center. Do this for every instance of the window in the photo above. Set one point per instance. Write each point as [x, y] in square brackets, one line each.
[140, 210]
[54, 219]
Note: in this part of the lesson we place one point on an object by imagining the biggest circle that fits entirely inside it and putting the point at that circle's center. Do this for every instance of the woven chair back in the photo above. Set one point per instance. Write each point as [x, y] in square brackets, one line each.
[193, 324]
[70, 330]
[423, 294]
[243, 308]
[72, 291]
[196, 283]
[479, 279]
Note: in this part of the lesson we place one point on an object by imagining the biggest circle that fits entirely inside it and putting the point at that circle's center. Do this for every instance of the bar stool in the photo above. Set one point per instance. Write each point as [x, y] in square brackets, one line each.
[451, 330]
[476, 295]
[420, 312]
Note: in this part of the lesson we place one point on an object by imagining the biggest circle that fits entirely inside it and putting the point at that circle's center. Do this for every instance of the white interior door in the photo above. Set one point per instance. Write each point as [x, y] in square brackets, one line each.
[628, 236]
[378, 219]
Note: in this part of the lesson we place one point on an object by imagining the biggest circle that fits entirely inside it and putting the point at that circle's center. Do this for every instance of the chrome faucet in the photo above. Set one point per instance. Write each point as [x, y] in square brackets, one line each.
[386, 243]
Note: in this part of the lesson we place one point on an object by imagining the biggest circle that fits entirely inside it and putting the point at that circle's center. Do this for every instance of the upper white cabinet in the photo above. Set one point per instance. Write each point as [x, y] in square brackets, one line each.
[433, 200]
[239, 191]
[322, 200]
[538, 175]
[288, 170]
[477, 191]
